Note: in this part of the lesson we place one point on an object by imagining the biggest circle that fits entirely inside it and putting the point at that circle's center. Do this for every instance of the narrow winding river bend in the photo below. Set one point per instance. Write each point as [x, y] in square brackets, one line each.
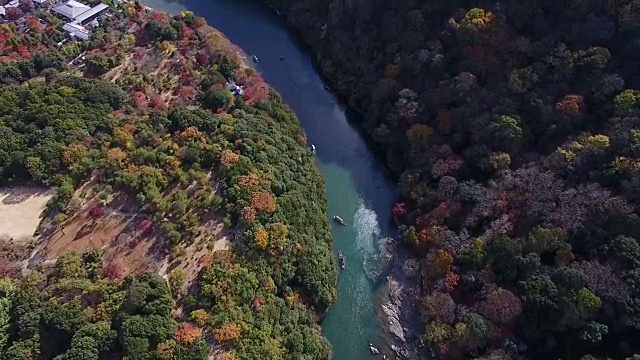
[356, 185]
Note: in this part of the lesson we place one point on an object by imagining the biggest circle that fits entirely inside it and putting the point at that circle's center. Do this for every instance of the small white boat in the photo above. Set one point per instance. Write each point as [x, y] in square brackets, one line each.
[255, 59]
[338, 219]
[374, 351]
[313, 148]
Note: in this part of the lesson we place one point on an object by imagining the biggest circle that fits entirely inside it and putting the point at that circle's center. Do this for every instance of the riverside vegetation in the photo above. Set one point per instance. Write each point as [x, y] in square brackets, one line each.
[147, 115]
[514, 131]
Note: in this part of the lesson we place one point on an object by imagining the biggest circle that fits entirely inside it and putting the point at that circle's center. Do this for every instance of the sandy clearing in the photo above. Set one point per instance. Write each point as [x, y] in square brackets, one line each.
[21, 210]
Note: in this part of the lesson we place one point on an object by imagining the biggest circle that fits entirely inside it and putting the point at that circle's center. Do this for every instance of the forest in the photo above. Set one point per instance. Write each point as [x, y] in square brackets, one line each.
[185, 150]
[514, 131]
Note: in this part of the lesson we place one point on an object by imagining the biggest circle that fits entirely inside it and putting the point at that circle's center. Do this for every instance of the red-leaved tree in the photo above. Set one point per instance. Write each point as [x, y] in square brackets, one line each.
[114, 270]
[399, 211]
[439, 306]
[188, 334]
[256, 90]
[138, 99]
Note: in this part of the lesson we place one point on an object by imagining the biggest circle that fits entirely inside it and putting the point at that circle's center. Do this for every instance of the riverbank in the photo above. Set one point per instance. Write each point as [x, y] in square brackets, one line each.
[399, 303]
[357, 184]
[331, 84]
[397, 307]
[399, 275]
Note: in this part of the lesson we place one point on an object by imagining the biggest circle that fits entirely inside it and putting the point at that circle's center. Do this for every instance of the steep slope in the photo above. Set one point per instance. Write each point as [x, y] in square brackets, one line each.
[513, 129]
[152, 154]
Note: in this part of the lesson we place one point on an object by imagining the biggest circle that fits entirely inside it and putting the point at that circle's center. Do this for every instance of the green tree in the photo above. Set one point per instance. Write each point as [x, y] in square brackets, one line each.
[7, 291]
[69, 265]
[82, 348]
[626, 103]
[216, 98]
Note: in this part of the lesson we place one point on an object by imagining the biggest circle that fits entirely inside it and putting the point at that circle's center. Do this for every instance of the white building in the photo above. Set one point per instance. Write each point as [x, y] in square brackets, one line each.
[235, 89]
[80, 15]
[89, 15]
[71, 9]
[77, 31]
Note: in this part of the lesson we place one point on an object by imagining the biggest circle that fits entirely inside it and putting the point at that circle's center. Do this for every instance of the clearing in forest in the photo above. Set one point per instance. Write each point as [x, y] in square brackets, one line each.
[126, 235]
[21, 211]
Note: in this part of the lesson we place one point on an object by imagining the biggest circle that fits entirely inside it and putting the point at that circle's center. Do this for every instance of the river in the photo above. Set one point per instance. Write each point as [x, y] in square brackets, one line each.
[357, 187]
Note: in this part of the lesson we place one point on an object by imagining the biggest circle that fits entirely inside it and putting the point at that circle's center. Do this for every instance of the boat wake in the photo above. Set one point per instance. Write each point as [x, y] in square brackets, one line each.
[368, 240]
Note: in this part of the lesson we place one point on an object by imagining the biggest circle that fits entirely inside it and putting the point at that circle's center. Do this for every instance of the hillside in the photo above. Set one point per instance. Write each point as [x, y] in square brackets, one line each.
[167, 157]
[514, 132]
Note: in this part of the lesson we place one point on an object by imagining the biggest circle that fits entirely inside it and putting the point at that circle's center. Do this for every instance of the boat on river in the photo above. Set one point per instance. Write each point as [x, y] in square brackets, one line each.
[373, 350]
[338, 219]
[313, 148]
[341, 258]
[255, 59]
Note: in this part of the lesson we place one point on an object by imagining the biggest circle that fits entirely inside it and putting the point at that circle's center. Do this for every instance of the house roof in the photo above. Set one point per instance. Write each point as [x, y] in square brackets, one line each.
[3, 11]
[92, 12]
[71, 9]
[76, 30]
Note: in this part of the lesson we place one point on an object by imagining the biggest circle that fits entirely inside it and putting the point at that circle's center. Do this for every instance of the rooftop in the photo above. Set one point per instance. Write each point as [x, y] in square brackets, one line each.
[71, 9]
[76, 30]
[91, 12]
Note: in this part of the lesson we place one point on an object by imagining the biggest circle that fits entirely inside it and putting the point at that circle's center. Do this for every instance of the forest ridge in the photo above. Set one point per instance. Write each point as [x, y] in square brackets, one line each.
[195, 212]
[515, 134]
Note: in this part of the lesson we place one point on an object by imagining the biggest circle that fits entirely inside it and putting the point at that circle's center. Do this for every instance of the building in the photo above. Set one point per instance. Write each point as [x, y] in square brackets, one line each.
[91, 14]
[77, 31]
[3, 11]
[80, 15]
[235, 89]
[71, 9]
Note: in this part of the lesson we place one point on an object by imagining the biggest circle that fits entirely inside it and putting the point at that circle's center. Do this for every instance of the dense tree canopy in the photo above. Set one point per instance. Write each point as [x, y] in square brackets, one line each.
[186, 151]
[65, 314]
[513, 131]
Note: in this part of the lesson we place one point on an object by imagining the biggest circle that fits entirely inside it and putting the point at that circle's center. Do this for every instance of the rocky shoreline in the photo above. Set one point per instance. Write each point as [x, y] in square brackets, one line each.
[399, 302]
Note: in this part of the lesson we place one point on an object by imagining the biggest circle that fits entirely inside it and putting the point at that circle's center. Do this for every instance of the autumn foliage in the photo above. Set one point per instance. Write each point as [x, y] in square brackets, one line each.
[261, 237]
[570, 105]
[442, 262]
[188, 334]
[227, 332]
[399, 210]
[131, 115]
[500, 306]
[450, 282]
[263, 201]
[139, 99]
[228, 158]
[256, 90]
[114, 270]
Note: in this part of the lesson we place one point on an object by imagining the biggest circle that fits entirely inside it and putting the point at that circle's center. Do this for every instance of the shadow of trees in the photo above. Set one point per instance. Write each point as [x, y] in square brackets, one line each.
[16, 195]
